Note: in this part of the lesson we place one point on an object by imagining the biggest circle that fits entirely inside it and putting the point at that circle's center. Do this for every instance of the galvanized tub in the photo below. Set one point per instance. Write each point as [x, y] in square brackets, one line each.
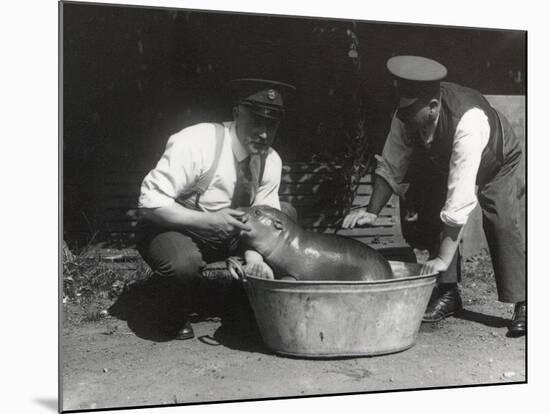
[339, 319]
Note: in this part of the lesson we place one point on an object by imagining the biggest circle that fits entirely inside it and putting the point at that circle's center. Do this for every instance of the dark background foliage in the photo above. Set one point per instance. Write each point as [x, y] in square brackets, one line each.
[132, 76]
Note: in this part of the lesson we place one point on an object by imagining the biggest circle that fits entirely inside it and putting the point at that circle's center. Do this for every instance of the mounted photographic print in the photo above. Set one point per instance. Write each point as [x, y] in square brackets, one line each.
[264, 206]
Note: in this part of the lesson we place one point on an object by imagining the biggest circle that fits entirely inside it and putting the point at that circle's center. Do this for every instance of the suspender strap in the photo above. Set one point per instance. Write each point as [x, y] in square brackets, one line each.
[262, 169]
[203, 182]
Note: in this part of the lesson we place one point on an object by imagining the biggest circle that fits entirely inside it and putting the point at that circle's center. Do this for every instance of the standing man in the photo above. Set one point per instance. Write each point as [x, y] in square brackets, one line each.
[463, 142]
[189, 201]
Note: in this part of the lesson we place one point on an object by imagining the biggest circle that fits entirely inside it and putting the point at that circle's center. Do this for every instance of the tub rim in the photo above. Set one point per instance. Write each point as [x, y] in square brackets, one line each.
[393, 263]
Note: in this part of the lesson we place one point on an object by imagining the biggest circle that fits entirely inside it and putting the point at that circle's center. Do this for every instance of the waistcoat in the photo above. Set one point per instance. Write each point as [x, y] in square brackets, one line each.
[456, 100]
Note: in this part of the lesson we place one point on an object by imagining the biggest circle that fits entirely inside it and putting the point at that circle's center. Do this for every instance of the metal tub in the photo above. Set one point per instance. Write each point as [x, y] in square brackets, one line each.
[338, 319]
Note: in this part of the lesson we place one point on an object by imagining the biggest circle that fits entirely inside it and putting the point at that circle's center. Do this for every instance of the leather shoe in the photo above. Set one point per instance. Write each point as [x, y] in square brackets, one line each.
[186, 332]
[518, 326]
[445, 304]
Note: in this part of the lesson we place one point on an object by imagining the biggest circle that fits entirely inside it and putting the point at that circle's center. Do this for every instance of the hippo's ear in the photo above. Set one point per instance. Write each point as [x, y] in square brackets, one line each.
[278, 224]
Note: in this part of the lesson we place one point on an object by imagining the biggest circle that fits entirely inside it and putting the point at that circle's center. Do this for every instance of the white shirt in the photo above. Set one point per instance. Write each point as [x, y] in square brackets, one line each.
[471, 137]
[189, 154]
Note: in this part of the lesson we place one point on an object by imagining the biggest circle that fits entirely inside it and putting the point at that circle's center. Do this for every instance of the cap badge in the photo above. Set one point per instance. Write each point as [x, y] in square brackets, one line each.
[271, 94]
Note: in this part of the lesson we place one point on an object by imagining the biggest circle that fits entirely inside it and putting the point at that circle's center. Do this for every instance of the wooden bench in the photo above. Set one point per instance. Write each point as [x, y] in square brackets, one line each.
[315, 190]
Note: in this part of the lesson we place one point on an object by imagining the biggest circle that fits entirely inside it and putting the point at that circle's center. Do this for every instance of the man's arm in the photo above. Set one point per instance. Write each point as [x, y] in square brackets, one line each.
[187, 154]
[471, 137]
[390, 172]
[380, 195]
[450, 237]
[217, 225]
[367, 216]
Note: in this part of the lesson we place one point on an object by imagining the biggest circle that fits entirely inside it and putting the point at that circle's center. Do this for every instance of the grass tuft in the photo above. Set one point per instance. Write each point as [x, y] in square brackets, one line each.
[87, 276]
[479, 267]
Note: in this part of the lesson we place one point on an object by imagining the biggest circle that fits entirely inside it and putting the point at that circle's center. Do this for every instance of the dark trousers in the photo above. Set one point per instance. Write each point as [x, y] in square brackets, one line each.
[176, 260]
[178, 257]
[500, 200]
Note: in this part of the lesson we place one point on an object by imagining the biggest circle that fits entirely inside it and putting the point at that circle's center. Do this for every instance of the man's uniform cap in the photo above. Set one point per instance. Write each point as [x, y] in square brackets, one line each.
[266, 98]
[415, 77]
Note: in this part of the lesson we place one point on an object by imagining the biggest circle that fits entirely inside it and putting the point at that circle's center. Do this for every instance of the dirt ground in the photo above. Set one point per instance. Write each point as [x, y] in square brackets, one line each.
[122, 360]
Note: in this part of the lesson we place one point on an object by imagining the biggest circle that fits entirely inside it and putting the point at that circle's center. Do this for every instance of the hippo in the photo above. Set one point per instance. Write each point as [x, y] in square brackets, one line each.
[306, 255]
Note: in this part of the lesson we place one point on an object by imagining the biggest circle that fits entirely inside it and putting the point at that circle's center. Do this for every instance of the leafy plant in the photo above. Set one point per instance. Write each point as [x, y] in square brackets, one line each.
[87, 276]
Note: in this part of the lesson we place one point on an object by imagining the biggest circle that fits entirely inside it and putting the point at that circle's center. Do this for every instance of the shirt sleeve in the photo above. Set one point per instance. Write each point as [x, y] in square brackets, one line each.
[396, 157]
[268, 191]
[179, 167]
[471, 137]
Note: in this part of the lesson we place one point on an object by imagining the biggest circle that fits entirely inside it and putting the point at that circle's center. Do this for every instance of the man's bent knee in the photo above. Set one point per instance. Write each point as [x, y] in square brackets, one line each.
[182, 268]
[172, 255]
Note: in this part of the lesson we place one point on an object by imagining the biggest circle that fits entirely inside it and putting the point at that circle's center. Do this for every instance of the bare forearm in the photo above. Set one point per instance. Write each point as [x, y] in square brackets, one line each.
[175, 216]
[380, 195]
[450, 237]
[219, 225]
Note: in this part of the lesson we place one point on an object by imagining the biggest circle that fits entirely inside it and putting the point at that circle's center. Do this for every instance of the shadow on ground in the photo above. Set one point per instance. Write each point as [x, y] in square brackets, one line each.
[240, 334]
[487, 320]
[150, 309]
[471, 316]
[155, 309]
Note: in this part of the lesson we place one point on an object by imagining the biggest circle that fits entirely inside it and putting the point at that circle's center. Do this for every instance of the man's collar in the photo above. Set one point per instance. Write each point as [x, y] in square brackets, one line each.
[238, 149]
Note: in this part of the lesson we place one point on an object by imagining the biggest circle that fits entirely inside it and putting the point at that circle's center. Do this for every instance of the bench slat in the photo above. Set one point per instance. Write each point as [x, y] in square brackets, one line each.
[121, 213]
[313, 189]
[378, 242]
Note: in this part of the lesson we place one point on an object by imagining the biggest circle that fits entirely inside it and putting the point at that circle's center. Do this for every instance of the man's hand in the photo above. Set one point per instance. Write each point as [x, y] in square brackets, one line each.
[218, 226]
[255, 265]
[450, 237]
[359, 217]
[223, 224]
[262, 271]
[433, 266]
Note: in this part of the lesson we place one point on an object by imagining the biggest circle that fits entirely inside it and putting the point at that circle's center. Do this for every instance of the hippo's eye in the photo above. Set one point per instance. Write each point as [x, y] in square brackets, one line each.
[257, 213]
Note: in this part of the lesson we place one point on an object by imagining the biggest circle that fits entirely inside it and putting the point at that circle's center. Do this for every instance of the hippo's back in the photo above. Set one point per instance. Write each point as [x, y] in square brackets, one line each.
[333, 257]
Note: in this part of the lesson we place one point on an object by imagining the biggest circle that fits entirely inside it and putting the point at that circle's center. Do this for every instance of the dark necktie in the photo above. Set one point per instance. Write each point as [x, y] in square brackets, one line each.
[243, 195]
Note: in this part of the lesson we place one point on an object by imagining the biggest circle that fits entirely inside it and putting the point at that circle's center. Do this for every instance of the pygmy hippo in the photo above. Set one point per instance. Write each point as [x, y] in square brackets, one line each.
[306, 255]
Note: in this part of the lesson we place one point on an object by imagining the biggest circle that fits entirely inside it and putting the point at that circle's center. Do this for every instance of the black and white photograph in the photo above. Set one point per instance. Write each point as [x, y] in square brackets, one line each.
[261, 206]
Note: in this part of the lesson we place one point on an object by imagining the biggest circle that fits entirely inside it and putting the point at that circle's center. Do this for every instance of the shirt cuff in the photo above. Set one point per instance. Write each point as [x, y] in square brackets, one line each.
[383, 170]
[457, 218]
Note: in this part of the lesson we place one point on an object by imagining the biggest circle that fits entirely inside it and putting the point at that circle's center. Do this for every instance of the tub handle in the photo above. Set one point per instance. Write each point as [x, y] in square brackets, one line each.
[236, 269]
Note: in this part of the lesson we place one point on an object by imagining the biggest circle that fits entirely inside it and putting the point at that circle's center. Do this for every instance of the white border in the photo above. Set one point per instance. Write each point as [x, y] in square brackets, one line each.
[29, 201]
